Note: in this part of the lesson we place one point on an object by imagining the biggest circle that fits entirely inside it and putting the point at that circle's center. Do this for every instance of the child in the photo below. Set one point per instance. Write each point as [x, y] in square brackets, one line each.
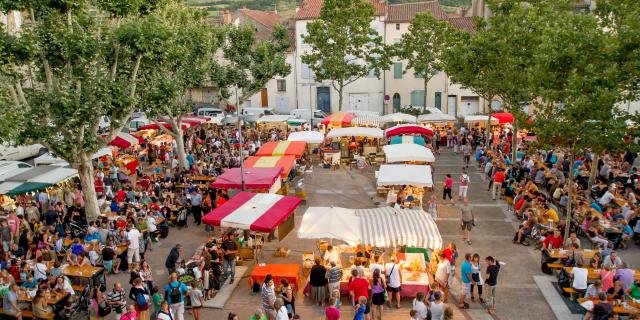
[336, 296]
[432, 207]
[360, 308]
[196, 300]
[156, 297]
[413, 314]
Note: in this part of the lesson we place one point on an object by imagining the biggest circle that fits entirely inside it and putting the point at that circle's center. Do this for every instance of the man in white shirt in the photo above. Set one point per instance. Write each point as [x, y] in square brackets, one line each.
[606, 198]
[133, 239]
[394, 280]
[442, 273]
[332, 255]
[579, 275]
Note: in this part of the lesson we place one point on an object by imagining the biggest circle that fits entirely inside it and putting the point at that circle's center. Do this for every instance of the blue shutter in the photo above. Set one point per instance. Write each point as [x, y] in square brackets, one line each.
[397, 70]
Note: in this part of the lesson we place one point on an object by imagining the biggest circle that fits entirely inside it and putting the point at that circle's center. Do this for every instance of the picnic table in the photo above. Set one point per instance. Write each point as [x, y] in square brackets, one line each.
[82, 272]
[627, 307]
[563, 254]
[593, 273]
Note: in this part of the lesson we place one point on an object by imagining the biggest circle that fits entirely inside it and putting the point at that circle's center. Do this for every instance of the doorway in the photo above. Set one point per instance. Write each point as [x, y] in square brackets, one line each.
[264, 97]
[323, 99]
[396, 102]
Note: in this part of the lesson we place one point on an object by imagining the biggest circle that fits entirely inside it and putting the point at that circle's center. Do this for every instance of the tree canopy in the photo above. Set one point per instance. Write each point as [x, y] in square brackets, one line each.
[344, 45]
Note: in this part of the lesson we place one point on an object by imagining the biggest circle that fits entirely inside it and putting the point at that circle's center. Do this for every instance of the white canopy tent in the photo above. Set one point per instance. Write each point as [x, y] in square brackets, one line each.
[436, 117]
[330, 223]
[55, 176]
[381, 227]
[399, 117]
[356, 132]
[404, 174]
[51, 159]
[407, 152]
[391, 227]
[367, 120]
[479, 118]
[306, 136]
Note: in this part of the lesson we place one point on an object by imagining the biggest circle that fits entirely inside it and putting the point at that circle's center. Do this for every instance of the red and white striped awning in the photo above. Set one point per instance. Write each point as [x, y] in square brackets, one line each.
[125, 140]
[153, 126]
[261, 212]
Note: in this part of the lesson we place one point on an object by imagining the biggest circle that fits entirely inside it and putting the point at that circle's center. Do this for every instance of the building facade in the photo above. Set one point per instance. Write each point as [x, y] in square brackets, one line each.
[364, 94]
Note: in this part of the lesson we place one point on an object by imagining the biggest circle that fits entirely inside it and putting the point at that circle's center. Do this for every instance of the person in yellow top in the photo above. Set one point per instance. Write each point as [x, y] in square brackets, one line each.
[550, 214]
[531, 187]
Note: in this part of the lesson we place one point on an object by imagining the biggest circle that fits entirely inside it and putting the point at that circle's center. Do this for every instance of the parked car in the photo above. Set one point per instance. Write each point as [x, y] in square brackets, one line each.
[306, 114]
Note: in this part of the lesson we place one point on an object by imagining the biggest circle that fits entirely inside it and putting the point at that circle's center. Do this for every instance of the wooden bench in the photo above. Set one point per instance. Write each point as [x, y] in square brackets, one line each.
[555, 265]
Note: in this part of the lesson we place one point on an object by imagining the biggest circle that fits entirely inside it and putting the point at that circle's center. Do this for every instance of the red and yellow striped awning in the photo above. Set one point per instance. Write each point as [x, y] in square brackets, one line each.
[338, 119]
[282, 148]
[286, 162]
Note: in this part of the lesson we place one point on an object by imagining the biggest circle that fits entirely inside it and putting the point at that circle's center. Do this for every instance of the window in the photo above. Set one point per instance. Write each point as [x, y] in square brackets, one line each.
[417, 98]
[397, 26]
[397, 70]
[396, 102]
[438, 100]
[282, 85]
[304, 71]
[372, 73]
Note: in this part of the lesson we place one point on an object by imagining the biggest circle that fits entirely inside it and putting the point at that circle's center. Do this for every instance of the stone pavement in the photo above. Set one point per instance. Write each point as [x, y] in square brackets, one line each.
[518, 294]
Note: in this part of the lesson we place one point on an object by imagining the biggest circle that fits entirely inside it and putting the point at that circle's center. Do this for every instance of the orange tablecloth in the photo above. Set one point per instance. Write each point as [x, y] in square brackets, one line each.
[291, 272]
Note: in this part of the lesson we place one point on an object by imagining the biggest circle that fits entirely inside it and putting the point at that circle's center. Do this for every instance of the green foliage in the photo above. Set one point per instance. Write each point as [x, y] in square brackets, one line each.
[344, 46]
[424, 44]
[251, 63]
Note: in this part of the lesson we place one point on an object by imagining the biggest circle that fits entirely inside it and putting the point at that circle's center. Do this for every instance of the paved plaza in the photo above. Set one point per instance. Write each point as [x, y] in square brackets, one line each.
[522, 286]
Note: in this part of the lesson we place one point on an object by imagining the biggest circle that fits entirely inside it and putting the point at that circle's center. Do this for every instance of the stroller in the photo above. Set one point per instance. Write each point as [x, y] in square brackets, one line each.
[181, 220]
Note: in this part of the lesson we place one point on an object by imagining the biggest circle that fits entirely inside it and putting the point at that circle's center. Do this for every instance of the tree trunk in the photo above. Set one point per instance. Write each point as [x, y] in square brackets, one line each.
[182, 154]
[594, 169]
[85, 172]
[567, 230]
[425, 82]
[340, 97]
[514, 142]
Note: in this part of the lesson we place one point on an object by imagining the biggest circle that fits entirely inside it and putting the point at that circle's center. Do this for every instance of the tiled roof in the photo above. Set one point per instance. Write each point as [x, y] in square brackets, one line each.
[407, 11]
[462, 23]
[266, 18]
[310, 9]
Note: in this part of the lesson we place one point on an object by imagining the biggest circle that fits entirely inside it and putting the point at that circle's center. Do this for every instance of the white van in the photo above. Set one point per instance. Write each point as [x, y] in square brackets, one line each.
[209, 112]
[8, 152]
[305, 114]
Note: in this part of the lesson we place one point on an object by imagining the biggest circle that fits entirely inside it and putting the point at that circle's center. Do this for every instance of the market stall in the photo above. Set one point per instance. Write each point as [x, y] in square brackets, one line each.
[282, 148]
[285, 162]
[393, 227]
[408, 153]
[259, 212]
[36, 178]
[398, 117]
[404, 183]
[338, 119]
[125, 140]
[407, 129]
[155, 126]
[437, 120]
[367, 121]
[503, 117]
[331, 223]
[275, 121]
[265, 179]
[407, 140]
[311, 137]
[479, 120]
[352, 140]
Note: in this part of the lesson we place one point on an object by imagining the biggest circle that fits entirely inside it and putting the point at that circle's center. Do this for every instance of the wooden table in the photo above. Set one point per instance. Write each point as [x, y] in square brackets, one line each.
[291, 272]
[631, 308]
[586, 254]
[82, 272]
[54, 297]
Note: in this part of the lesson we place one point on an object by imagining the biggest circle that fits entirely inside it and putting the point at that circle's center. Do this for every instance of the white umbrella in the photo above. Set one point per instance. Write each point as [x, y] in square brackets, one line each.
[404, 174]
[330, 223]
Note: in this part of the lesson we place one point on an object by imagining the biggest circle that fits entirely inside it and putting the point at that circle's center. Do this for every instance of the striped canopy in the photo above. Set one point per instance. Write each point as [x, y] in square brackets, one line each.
[261, 212]
[408, 139]
[282, 148]
[286, 162]
[367, 120]
[338, 119]
[391, 227]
